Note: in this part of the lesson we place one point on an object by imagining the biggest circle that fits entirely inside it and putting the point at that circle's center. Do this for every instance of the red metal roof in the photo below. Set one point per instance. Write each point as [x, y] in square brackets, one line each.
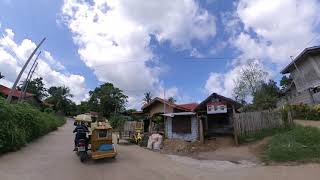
[6, 91]
[190, 106]
[184, 107]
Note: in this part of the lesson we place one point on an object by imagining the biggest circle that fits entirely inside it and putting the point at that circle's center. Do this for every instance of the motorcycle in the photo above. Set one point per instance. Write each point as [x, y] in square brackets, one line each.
[82, 150]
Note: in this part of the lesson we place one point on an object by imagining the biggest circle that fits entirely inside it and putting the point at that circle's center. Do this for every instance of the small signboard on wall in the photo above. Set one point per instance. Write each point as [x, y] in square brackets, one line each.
[216, 107]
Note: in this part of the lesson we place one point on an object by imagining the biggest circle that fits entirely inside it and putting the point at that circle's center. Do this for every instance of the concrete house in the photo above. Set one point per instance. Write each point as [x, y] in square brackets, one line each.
[178, 120]
[191, 122]
[305, 72]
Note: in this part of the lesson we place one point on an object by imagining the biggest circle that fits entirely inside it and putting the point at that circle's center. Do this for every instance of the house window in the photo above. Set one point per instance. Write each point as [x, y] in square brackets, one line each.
[181, 124]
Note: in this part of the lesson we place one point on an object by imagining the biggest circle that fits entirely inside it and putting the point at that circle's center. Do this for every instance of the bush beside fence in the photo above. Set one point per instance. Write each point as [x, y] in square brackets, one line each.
[22, 123]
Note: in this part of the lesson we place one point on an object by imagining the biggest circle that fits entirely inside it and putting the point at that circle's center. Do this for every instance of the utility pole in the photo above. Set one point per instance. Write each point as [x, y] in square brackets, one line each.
[13, 89]
[164, 99]
[25, 89]
[27, 79]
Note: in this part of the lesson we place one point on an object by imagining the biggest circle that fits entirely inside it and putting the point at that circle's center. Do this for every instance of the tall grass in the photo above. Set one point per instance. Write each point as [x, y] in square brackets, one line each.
[21, 123]
[301, 144]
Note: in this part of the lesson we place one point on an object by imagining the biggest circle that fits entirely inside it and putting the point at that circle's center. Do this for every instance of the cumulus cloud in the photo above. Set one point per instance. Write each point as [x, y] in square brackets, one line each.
[114, 36]
[270, 31]
[13, 55]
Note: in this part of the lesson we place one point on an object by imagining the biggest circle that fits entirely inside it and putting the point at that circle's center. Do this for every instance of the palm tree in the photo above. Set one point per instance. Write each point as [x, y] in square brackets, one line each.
[147, 97]
[172, 100]
[59, 97]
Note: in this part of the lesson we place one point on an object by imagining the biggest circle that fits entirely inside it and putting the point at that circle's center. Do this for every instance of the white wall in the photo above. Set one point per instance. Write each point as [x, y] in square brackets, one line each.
[193, 136]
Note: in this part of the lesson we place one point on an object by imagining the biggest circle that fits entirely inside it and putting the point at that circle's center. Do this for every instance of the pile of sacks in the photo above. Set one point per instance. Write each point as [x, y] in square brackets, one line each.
[155, 142]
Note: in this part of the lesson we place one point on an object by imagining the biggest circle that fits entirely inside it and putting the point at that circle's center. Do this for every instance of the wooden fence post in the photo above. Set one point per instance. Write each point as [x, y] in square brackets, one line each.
[235, 126]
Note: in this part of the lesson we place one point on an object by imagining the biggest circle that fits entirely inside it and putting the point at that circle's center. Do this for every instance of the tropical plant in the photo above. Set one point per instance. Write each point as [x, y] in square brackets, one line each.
[36, 87]
[107, 99]
[285, 82]
[266, 96]
[147, 98]
[172, 100]
[59, 97]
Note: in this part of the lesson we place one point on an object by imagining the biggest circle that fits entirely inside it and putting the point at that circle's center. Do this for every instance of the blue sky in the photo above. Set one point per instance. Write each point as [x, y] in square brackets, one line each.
[139, 46]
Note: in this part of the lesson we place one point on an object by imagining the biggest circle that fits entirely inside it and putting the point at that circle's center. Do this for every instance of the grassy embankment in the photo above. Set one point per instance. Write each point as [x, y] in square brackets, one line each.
[21, 123]
[295, 144]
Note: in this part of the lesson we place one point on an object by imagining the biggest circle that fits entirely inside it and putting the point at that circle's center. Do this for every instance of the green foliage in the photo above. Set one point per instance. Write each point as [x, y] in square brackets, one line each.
[117, 120]
[259, 135]
[147, 97]
[36, 86]
[107, 99]
[266, 96]
[304, 111]
[172, 100]
[300, 144]
[22, 123]
[59, 97]
[285, 82]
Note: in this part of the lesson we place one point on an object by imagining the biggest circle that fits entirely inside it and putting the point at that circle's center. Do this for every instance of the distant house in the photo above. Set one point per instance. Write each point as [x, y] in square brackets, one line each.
[178, 120]
[191, 122]
[5, 91]
[215, 115]
[305, 72]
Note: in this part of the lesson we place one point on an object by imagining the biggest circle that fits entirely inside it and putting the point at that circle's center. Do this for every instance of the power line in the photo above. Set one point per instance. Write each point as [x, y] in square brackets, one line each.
[12, 52]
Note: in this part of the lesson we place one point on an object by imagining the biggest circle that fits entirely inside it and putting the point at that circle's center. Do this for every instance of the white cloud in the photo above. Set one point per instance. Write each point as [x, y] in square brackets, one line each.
[10, 66]
[276, 30]
[271, 31]
[110, 33]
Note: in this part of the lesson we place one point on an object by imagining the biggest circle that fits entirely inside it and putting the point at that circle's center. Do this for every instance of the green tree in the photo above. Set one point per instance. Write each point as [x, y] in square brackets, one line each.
[107, 99]
[83, 107]
[266, 96]
[36, 86]
[147, 98]
[251, 77]
[59, 97]
[285, 82]
[172, 100]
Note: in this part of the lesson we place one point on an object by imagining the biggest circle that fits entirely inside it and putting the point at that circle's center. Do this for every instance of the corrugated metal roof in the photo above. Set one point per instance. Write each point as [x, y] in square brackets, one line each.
[6, 91]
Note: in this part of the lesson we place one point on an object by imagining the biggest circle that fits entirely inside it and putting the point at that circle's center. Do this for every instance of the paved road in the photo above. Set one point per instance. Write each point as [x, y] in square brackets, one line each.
[51, 158]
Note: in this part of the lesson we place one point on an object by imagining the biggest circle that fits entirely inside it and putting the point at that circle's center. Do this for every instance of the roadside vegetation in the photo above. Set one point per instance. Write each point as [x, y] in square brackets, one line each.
[300, 144]
[21, 123]
[259, 135]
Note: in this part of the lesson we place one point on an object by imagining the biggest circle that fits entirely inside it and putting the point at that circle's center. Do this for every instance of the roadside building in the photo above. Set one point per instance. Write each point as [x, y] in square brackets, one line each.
[31, 98]
[172, 120]
[215, 116]
[192, 121]
[305, 73]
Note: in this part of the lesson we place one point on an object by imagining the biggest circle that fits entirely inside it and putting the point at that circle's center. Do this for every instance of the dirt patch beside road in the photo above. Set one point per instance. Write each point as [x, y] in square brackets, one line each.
[219, 149]
[308, 123]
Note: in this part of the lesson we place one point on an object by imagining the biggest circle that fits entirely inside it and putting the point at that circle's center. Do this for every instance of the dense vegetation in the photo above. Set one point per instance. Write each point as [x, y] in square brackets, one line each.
[301, 144]
[22, 123]
[306, 112]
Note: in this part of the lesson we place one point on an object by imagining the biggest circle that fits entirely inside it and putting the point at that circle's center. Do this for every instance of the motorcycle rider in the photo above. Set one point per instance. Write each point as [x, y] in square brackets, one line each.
[81, 133]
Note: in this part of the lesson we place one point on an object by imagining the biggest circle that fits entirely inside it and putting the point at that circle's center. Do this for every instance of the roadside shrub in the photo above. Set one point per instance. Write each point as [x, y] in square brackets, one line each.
[117, 120]
[304, 111]
[301, 144]
[22, 123]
